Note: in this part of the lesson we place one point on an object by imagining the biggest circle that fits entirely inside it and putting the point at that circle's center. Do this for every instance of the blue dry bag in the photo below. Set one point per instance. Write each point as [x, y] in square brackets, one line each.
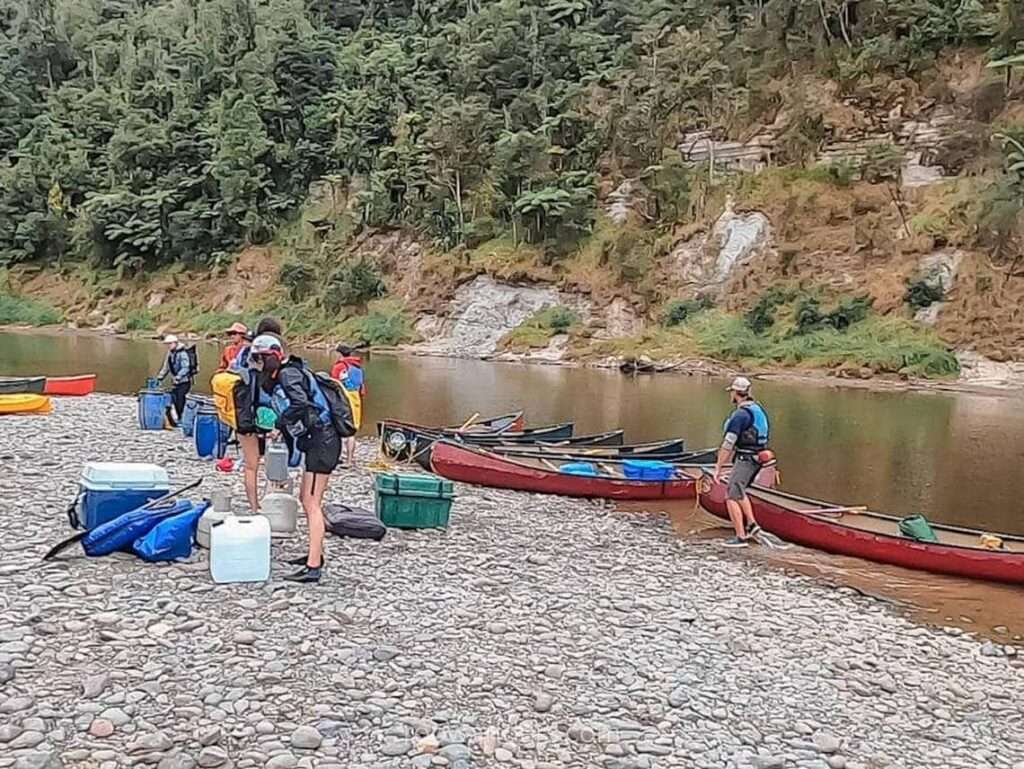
[172, 537]
[120, 533]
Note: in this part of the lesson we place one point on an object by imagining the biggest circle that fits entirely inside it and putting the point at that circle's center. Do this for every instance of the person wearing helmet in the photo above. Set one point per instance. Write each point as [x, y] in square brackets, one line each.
[300, 418]
[746, 439]
[238, 340]
[178, 364]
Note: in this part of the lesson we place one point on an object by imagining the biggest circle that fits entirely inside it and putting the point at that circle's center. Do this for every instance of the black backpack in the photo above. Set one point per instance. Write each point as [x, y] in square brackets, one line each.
[193, 360]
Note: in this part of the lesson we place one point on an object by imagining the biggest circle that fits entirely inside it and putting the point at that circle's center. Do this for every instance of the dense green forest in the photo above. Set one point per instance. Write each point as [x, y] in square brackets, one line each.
[138, 133]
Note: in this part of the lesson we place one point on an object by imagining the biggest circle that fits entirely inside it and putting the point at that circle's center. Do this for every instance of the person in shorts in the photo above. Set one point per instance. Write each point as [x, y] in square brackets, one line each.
[746, 437]
[301, 418]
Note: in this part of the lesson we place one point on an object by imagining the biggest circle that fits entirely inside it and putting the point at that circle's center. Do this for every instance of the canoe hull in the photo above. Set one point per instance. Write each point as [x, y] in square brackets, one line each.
[22, 385]
[459, 463]
[71, 385]
[25, 404]
[834, 537]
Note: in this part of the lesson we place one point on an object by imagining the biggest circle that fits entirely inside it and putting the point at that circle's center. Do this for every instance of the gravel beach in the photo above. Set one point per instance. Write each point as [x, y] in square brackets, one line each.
[536, 632]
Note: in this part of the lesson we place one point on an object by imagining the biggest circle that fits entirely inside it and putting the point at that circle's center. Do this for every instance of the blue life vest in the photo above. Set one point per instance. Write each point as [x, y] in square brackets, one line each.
[354, 378]
[755, 437]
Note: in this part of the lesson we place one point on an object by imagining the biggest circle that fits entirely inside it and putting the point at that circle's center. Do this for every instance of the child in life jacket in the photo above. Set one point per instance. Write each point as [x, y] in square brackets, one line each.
[348, 370]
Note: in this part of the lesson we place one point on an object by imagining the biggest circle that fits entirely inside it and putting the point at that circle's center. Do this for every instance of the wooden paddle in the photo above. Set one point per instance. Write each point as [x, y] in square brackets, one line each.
[469, 421]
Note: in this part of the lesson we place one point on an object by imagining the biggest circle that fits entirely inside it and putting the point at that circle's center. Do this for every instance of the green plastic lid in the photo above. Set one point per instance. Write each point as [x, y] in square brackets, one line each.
[265, 418]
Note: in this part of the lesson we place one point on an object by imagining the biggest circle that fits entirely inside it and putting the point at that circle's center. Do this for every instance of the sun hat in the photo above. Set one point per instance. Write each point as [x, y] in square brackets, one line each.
[238, 328]
[170, 339]
[739, 385]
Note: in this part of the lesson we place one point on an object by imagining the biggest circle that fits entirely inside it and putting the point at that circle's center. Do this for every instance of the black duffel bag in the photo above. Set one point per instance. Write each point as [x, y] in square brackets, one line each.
[353, 522]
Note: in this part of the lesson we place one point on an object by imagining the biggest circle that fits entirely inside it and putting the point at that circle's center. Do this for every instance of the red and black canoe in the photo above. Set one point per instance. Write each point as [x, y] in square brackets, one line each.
[470, 464]
[874, 536]
[405, 440]
[70, 385]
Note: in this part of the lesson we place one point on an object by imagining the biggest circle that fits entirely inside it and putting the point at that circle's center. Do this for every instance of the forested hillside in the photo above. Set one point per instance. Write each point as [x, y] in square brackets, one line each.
[146, 135]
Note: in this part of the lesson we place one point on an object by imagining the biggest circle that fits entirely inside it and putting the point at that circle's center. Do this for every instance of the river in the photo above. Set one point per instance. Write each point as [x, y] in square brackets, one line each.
[956, 457]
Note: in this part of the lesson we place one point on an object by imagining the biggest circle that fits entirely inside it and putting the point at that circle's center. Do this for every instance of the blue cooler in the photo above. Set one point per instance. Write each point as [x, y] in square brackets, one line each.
[211, 435]
[153, 409]
[188, 418]
[578, 468]
[648, 470]
[107, 490]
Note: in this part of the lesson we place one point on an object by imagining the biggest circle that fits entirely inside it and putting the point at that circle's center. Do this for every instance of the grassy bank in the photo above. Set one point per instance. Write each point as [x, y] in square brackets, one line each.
[23, 311]
[881, 345]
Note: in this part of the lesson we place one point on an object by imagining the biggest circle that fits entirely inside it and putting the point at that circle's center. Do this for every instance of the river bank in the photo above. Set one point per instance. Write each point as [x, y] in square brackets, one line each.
[979, 375]
[536, 632]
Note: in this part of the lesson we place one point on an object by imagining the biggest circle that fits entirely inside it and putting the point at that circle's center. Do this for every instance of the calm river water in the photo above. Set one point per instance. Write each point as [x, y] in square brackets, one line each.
[955, 457]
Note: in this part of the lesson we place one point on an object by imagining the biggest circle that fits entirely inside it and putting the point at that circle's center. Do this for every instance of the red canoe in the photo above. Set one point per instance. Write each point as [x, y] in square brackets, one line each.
[472, 465]
[874, 536]
[70, 385]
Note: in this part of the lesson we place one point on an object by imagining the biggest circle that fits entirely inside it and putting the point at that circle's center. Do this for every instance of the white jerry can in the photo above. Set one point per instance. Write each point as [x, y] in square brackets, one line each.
[240, 549]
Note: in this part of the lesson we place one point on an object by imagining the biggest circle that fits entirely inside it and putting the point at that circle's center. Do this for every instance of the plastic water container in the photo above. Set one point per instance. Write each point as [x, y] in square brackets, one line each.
[188, 418]
[648, 470]
[282, 510]
[578, 468]
[240, 549]
[152, 409]
[206, 522]
[107, 490]
[276, 462]
[211, 435]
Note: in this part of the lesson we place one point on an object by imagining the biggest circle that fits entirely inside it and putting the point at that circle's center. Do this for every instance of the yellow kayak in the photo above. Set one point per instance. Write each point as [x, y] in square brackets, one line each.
[25, 404]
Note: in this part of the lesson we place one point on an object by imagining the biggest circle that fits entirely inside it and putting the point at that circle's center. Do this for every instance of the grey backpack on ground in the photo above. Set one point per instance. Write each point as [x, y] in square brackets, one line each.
[354, 522]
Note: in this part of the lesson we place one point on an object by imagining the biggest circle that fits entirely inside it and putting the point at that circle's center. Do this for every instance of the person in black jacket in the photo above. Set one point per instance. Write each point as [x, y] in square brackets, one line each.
[301, 420]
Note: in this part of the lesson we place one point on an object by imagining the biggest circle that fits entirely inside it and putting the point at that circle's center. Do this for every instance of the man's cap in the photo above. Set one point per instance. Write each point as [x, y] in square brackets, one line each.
[739, 385]
[238, 328]
[266, 343]
[343, 349]
[170, 339]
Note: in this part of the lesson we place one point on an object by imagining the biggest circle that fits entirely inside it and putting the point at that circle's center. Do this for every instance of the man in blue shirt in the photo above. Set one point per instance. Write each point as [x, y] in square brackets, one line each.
[746, 436]
[178, 364]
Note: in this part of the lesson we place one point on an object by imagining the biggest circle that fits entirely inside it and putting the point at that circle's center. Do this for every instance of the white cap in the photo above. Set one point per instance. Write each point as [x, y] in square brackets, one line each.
[266, 343]
[739, 385]
[170, 339]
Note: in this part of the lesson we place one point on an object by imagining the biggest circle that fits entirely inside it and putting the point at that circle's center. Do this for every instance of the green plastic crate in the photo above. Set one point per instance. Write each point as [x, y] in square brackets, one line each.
[407, 501]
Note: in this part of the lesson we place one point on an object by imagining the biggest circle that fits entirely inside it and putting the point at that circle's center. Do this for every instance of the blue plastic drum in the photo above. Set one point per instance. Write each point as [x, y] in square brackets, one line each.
[152, 409]
[211, 435]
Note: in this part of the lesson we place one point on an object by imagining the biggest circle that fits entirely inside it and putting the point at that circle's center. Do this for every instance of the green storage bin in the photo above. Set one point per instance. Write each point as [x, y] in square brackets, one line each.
[406, 501]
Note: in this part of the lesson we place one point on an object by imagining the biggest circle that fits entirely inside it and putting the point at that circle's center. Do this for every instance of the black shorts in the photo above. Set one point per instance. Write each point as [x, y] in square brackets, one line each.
[322, 448]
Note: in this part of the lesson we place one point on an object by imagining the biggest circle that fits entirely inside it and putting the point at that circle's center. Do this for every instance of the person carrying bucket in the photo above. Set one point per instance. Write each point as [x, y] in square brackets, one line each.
[349, 371]
[180, 364]
[305, 416]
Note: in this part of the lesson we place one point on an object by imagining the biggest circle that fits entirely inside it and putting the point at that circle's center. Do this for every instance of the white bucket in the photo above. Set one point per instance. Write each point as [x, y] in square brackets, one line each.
[282, 511]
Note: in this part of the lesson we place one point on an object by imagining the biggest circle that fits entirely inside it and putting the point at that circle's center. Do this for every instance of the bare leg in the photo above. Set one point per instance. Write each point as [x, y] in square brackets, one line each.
[250, 445]
[314, 486]
[736, 516]
[748, 512]
[350, 451]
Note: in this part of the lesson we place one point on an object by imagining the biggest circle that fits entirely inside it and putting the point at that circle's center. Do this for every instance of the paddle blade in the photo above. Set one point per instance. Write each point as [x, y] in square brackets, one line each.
[62, 546]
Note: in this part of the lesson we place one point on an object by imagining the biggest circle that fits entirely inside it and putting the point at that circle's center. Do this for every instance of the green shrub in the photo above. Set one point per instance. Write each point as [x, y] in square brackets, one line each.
[352, 284]
[537, 330]
[386, 325]
[297, 278]
[23, 311]
[921, 293]
[558, 318]
[678, 311]
[809, 317]
[139, 320]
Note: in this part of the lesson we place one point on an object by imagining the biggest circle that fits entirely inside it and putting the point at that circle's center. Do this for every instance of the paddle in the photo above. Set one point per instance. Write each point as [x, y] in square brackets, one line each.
[469, 421]
[62, 546]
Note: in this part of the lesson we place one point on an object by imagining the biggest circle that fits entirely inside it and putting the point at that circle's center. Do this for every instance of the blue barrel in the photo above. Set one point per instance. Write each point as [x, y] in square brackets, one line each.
[152, 409]
[211, 435]
[188, 419]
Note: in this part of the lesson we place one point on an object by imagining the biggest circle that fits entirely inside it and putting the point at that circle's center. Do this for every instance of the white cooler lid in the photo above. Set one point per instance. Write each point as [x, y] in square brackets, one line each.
[124, 475]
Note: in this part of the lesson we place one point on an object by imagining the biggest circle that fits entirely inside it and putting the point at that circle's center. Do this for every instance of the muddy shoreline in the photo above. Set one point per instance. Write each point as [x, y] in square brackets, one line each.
[687, 367]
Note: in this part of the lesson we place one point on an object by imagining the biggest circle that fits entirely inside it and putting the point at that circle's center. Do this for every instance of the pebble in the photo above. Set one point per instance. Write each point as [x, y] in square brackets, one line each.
[396, 748]
[245, 638]
[306, 738]
[101, 727]
[543, 702]
[282, 761]
[212, 756]
[6, 673]
[826, 742]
